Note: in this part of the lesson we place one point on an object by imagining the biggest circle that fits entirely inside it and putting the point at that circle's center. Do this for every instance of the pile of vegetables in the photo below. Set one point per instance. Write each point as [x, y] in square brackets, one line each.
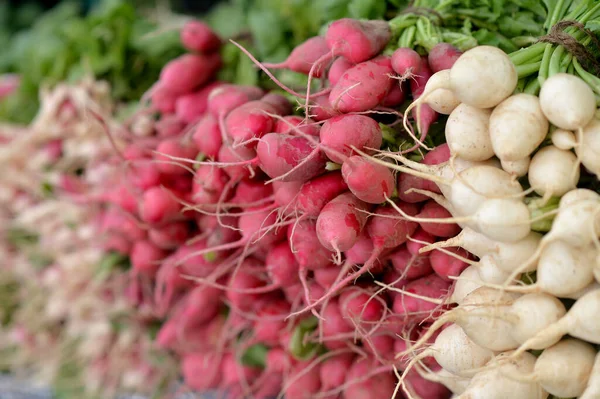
[419, 220]
[66, 318]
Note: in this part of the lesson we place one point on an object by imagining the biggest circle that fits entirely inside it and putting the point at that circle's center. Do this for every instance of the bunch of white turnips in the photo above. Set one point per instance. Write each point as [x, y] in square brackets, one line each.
[496, 139]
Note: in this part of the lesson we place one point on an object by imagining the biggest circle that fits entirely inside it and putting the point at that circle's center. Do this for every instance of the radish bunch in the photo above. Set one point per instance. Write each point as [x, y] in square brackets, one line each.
[70, 303]
[261, 238]
[515, 161]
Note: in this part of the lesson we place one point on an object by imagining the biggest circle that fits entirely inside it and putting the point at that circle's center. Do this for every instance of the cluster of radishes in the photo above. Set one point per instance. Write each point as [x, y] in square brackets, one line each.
[498, 142]
[68, 305]
[241, 219]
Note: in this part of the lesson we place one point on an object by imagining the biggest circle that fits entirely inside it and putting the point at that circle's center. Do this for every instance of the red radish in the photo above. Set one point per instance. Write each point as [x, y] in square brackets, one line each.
[286, 193]
[334, 324]
[362, 87]
[306, 247]
[340, 222]
[249, 191]
[361, 251]
[242, 160]
[302, 383]
[382, 346]
[173, 147]
[406, 62]
[424, 389]
[333, 370]
[201, 305]
[289, 158]
[169, 125]
[169, 235]
[199, 37]
[355, 40]
[327, 276]
[145, 257]
[239, 282]
[270, 321]
[208, 185]
[395, 96]
[190, 107]
[250, 120]
[201, 371]
[356, 304]
[279, 101]
[163, 99]
[207, 136]
[292, 123]
[370, 182]
[320, 108]
[225, 98]
[408, 265]
[443, 56]
[188, 72]
[317, 192]
[339, 133]
[159, 205]
[144, 175]
[233, 372]
[431, 286]
[438, 155]
[380, 385]
[413, 245]
[281, 265]
[446, 265]
[192, 264]
[302, 58]
[424, 114]
[433, 210]
[337, 69]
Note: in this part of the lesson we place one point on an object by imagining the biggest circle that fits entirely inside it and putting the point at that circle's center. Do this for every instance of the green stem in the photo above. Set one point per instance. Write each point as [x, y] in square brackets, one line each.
[524, 55]
[590, 79]
[554, 64]
[543, 74]
[533, 87]
[407, 37]
[528, 69]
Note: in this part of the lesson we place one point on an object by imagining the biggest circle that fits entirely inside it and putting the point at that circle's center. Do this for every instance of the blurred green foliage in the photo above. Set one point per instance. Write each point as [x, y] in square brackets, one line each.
[110, 42]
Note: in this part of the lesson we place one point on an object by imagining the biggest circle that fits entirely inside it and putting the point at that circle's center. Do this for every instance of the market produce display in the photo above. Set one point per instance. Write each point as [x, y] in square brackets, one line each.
[403, 205]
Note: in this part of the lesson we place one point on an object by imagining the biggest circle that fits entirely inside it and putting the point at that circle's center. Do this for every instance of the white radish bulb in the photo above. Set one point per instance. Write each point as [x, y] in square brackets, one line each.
[508, 256]
[454, 383]
[564, 368]
[442, 101]
[588, 150]
[474, 185]
[581, 321]
[467, 133]
[517, 127]
[490, 272]
[567, 101]
[592, 390]
[577, 195]
[563, 269]
[578, 223]
[553, 171]
[563, 139]
[578, 294]
[534, 312]
[484, 317]
[496, 383]
[468, 281]
[503, 219]
[457, 353]
[483, 77]
[517, 168]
